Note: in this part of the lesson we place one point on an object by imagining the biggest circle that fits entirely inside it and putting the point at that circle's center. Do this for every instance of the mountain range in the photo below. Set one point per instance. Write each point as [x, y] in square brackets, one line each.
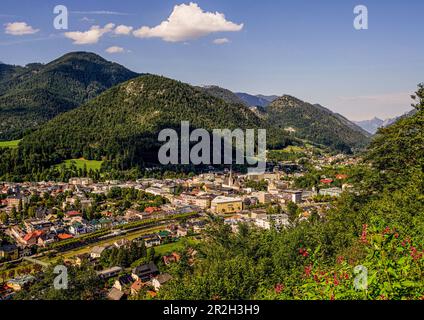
[81, 105]
[36, 93]
[374, 124]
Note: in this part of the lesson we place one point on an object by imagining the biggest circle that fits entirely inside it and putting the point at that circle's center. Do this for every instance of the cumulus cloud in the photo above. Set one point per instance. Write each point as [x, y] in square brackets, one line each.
[115, 49]
[187, 22]
[221, 41]
[19, 29]
[91, 36]
[123, 30]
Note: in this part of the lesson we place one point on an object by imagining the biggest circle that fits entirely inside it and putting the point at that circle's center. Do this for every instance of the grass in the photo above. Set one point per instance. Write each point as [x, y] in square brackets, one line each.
[174, 246]
[79, 163]
[9, 144]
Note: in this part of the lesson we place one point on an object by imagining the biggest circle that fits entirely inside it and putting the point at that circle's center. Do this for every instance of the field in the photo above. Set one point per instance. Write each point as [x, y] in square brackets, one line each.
[175, 246]
[79, 163]
[9, 144]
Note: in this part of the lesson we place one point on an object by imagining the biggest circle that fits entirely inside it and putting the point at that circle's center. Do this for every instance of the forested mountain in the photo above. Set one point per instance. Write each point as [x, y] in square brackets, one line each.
[122, 124]
[256, 101]
[315, 123]
[34, 94]
[224, 94]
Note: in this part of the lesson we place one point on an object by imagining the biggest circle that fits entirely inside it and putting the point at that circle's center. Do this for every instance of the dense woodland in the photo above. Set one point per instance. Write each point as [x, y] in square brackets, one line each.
[121, 125]
[36, 93]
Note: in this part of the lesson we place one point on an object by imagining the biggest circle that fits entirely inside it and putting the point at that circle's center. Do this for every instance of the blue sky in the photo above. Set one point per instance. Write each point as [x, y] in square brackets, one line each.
[305, 48]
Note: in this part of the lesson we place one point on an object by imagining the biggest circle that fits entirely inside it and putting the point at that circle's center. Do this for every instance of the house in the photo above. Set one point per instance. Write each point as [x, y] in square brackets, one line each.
[136, 287]
[332, 192]
[182, 232]
[32, 238]
[97, 251]
[161, 280]
[9, 252]
[276, 220]
[152, 241]
[77, 228]
[109, 273]
[174, 257]
[145, 272]
[64, 236]
[115, 294]
[123, 282]
[123, 243]
[164, 235]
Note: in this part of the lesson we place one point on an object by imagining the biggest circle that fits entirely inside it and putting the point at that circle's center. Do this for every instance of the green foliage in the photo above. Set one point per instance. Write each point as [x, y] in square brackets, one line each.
[32, 95]
[83, 284]
[316, 124]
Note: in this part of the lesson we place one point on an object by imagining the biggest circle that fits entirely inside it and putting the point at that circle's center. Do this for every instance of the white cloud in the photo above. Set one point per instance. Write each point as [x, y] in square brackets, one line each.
[221, 41]
[115, 49]
[123, 30]
[91, 36]
[19, 29]
[186, 22]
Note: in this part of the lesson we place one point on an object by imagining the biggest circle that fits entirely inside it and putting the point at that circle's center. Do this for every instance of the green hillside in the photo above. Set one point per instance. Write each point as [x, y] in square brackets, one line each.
[34, 94]
[315, 123]
[123, 123]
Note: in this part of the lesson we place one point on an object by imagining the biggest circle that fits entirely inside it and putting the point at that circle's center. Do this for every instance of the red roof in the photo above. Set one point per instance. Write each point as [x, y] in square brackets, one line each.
[73, 213]
[33, 235]
[327, 181]
[151, 209]
[64, 236]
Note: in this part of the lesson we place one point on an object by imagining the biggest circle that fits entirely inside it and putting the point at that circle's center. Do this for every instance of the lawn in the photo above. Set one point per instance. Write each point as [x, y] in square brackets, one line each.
[79, 163]
[175, 246]
[9, 144]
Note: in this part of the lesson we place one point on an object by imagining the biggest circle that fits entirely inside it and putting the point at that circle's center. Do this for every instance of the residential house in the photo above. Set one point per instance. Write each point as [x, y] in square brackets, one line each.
[9, 252]
[145, 272]
[109, 273]
[161, 280]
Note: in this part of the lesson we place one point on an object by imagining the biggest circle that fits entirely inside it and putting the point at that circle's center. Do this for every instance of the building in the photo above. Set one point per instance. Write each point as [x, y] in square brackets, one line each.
[225, 205]
[294, 196]
[109, 273]
[161, 280]
[96, 252]
[9, 252]
[145, 272]
[81, 181]
[332, 192]
[276, 220]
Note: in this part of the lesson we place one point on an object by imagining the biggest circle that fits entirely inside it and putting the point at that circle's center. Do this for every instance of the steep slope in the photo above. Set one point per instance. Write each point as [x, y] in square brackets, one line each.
[352, 125]
[34, 94]
[123, 123]
[224, 94]
[315, 123]
[256, 101]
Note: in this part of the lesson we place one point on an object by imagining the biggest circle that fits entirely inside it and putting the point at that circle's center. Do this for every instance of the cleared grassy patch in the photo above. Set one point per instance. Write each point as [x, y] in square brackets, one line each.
[174, 246]
[79, 163]
[9, 144]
